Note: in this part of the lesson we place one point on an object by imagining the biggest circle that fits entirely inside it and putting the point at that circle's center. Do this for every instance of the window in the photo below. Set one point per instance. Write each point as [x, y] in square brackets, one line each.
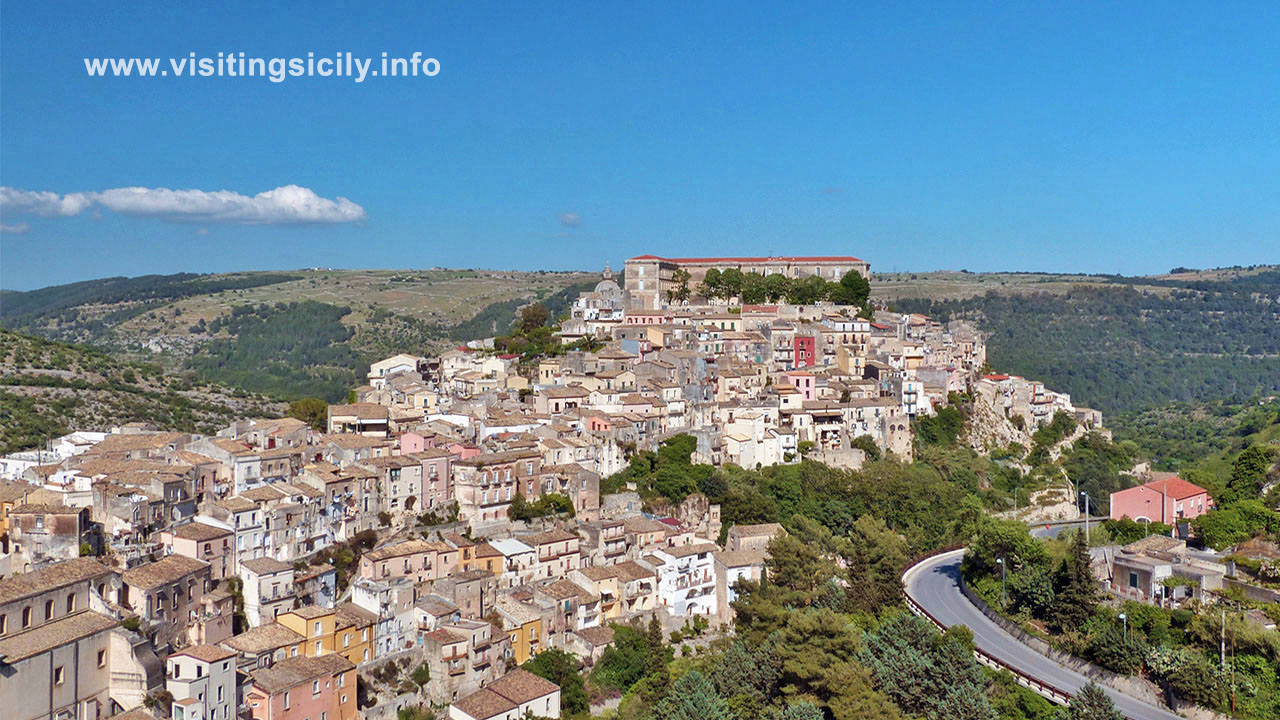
[317, 647]
[286, 699]
[58, 675]
[315, 687]
[48, 609]
[102, 658]
[366, 654]
[342, 681]
[346, 640]
[344, 699]
[364, 634]
[316, 628]
[71, 602]
[1133, 580]
[4, 624]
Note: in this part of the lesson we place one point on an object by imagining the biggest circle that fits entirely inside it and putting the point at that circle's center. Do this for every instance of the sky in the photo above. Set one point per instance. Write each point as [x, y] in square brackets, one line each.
[1071, 137]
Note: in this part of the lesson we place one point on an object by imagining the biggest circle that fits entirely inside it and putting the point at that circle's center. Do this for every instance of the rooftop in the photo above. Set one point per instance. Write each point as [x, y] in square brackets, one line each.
[48, 578]
[294, 671]
[170, 568]
[69, 628]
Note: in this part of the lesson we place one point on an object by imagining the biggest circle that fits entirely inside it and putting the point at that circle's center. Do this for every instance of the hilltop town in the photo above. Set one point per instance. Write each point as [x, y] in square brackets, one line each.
[463, 512]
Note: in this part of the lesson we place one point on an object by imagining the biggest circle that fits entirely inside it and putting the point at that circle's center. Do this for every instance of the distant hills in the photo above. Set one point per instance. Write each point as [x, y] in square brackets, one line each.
[1122, 343]
[286, 334]
[48, 388]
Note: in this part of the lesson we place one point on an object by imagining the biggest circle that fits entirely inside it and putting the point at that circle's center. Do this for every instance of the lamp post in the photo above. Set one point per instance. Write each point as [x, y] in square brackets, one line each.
[1004, 598]
[1125, 619]
[1086, 516]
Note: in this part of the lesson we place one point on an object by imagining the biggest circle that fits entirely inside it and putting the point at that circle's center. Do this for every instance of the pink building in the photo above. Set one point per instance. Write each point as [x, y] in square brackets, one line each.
[802, 381]
[304, 688]
[203, 541]
[1164, 501]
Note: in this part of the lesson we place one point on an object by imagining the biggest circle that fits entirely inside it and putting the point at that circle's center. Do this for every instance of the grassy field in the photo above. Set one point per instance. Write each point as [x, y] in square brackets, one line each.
[437, 297]
[961, 285]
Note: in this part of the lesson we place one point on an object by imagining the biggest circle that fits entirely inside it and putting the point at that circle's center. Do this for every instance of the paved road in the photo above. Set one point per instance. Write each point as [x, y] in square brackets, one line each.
[935, 585]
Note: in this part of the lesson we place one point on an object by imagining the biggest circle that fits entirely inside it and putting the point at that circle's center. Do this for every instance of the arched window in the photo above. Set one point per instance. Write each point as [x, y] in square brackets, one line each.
[71, 602]
[48, 609]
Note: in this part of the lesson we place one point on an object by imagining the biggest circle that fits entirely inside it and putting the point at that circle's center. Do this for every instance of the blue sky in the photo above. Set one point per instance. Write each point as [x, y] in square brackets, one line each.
[1084, 137]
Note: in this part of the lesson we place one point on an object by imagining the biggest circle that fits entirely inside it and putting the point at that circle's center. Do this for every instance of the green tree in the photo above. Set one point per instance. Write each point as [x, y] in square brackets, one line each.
[421, 675]
[312, 411]
[732, 284]
[1075, 591]
[711, 286]
[752, 289]
[853, 290]
[533, 316]
[680, 293]
[927, 674]
[1091, 703]
[875, 557]
[776, 287]
[561, 668]
[1248, 475]
[692, 697]
[867, 444]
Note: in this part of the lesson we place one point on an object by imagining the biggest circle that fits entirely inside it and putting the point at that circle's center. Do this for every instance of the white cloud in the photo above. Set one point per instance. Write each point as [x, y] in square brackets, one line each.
[48, 204]
[16, 229]
[287, 205]
[202, 231]
[570, 219]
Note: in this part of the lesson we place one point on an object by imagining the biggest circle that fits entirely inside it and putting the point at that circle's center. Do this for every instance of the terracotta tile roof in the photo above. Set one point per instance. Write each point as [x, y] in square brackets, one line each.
[206, 653]
[294, 671]
[165, 570]
[521, 686]
[200, 532]
[484, 704]
[598, 636]
[19, 646]
[445, 636]
[409, 547]
[1175, 487]
[265, 566]
[16, 587]
[263, 638]
[364, 411]
[352, 615]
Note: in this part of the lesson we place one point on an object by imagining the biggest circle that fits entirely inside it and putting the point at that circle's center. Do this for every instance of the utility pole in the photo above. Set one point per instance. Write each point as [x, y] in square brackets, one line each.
[1222, 646]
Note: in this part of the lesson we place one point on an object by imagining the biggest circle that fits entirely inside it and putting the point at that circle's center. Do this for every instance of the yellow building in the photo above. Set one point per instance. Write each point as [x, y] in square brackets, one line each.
[346, 630]
[523, 626]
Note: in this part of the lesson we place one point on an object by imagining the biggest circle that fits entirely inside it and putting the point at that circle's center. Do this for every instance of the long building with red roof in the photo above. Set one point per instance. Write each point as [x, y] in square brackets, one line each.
[649, 277]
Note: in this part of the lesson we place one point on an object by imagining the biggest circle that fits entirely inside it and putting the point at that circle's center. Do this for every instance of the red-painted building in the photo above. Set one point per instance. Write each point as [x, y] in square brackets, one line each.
[806, 351]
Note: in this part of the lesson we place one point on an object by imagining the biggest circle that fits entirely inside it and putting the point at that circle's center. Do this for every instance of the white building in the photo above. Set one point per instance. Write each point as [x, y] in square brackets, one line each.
[686, 578]
[202, 680]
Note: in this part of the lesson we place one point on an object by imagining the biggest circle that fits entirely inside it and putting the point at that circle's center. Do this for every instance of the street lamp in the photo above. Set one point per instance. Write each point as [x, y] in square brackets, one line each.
[1004, 599]
[1086, 516]
[1124, 619]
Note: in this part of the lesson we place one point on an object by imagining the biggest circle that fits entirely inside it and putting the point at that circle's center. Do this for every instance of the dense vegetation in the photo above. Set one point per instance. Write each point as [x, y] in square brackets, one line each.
[48, 389]
[54, 307]
[754, 288]
[1119, 348]
[286, 350]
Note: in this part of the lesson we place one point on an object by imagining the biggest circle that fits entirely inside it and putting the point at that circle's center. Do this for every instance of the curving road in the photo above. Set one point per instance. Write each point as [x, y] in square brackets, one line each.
[935, 585]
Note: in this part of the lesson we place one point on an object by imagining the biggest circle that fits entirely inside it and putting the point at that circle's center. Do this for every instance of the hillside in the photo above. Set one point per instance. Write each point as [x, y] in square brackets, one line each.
[307, 332]
[1126, 344]
[49, 388]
